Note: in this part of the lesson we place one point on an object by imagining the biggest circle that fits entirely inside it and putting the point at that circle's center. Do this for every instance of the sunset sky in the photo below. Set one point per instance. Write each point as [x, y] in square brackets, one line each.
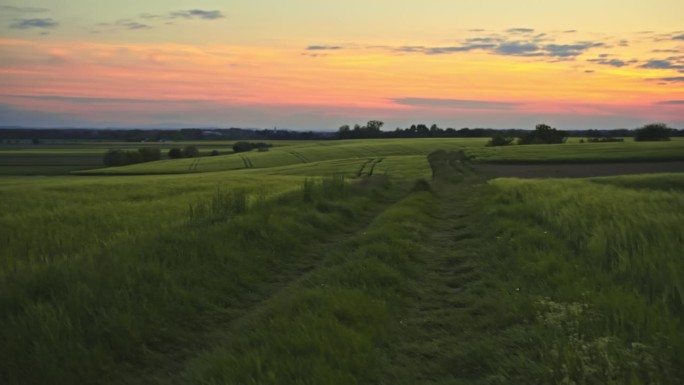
[319, 64]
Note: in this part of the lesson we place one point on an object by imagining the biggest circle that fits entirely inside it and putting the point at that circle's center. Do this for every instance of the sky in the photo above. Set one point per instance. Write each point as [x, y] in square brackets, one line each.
[317, 65]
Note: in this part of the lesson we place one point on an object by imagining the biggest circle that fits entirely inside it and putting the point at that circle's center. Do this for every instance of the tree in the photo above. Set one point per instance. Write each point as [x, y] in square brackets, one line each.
[653, 132]
[344, 132]
[175, 153]
[242, 147]
[114, 158]
[190, 152]
[150, 154]
[374, 126]
[249, 146]
[500, 140]
[422, 130]
[544, 134]
[132, 157]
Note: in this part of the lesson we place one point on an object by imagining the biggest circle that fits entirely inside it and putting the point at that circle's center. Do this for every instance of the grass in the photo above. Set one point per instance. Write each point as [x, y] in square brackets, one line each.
[86, 157]
[311, 152]
[601, 263]
[144, 288]
[58, 211]
[63, 157]
[326, 262]
[327, 328]
[575, 152]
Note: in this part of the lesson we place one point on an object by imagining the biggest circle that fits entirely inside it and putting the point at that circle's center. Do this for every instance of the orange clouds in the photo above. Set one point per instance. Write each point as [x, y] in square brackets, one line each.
[145, 81]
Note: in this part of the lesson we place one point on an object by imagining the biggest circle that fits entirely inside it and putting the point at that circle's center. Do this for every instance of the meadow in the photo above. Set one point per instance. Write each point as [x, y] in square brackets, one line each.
[85, 157]
[601, 262]
[340, 262]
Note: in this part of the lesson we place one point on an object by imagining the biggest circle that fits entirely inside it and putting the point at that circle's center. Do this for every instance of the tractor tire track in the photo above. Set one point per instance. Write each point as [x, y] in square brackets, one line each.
[193, 166]
[373, 164]
[363, 167]
[220, 328]
[445, 298]
[247, 162]
[300, 157]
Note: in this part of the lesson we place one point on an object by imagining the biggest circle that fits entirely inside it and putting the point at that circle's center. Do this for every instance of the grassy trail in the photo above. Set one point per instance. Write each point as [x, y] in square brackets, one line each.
[448, 293]
[477, 316]
[442, 302]
[168, 363]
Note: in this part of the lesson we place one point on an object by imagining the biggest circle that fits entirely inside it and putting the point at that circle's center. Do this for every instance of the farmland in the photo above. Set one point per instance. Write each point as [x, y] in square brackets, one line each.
[362, 261]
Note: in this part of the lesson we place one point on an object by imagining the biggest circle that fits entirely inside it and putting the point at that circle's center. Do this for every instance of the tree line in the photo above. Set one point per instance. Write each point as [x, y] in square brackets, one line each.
[545, 134]
[152, 135]
[372, 129]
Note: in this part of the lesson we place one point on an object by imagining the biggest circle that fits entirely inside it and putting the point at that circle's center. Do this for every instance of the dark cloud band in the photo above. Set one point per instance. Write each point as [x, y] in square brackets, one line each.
[671, 79]
[663, 65]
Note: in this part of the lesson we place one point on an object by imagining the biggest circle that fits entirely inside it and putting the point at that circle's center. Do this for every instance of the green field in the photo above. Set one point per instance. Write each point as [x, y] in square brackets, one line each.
[340, 262]
[86, 157]
[575, 152]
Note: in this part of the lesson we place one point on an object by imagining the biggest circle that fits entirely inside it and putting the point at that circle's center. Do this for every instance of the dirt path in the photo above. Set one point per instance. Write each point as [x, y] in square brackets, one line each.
[575, 170]
[444, 305]
[219, 328]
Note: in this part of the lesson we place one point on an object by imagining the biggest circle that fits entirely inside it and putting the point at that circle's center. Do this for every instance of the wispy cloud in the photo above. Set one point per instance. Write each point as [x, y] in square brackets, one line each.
[198, 14]
[662, 64]
[610, 62]
[568, 50]
[119, 25]
[678, 37]
[465, 104]
[670, 79]
[15, 9]
[671, 102]
[443, 50]
[520, 30]
[132, 24]
[91, 100]
[323, 48]
[507, 48]
[35, 23]
[518, 48]
[485, 40]
[523, 42]
[148, 20]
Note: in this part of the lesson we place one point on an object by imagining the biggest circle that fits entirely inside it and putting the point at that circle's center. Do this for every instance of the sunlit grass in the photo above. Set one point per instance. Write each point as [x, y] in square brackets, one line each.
[305, 153]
